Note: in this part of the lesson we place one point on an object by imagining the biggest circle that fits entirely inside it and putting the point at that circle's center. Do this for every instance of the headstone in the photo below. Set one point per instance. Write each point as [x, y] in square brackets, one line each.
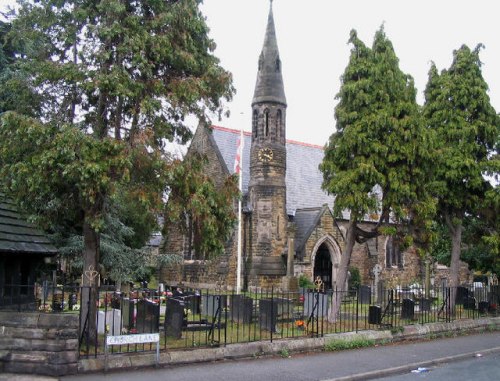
[148, 316]
[483, 307]
[462, 294]
[407, 309]
[241, 309]
[268, 314]
[469, 303]
[174, 318]
[316, 302]
[128, 311]
[192, 301]
[57, 302]
[365, 294]
[374, 315]
[481, 294]
[210, 304]
[109, 322]
[377, 269]
[495, 294]
[425, 304]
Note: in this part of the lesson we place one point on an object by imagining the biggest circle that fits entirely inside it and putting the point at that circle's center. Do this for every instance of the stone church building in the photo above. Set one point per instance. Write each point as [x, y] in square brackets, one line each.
[287, 222]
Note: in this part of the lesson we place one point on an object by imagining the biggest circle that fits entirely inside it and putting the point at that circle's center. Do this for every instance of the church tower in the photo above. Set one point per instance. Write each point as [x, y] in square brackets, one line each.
[267, 189]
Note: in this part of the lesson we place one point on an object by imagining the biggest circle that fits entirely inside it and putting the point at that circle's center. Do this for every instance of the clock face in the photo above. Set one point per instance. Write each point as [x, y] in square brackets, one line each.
[265, 155]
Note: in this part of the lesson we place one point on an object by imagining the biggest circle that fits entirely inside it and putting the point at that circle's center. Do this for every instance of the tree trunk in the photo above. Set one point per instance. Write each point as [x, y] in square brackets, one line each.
[345, 259]
[456, 229]
[90, 278]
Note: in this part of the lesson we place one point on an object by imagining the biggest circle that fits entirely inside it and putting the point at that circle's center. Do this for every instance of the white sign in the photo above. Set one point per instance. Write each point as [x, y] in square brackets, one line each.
[133, 339]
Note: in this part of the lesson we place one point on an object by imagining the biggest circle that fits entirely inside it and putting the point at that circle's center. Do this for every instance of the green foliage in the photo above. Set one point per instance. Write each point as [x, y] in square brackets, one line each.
[57, 173]
[340, 345]
[200, 209]
[371, 162]
[465, 129]
[355, 280]
[107, 84]
[305, 282]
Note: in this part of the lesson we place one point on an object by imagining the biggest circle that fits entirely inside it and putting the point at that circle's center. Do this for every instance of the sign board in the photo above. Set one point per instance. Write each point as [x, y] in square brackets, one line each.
[143, 338]
[133, 339]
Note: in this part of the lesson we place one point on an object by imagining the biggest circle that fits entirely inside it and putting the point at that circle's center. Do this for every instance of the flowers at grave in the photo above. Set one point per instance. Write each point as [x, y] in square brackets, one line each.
[299, 324]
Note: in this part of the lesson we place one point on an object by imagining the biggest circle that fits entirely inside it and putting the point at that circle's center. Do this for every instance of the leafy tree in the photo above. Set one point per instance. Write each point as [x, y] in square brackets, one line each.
[370, 162]
[466, 128]
[201, 209]
[114, 80]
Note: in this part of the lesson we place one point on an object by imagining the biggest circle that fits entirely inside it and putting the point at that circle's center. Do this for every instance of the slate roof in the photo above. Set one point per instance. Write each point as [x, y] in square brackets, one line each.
[303, 178]
[305, 220]
[19, 236]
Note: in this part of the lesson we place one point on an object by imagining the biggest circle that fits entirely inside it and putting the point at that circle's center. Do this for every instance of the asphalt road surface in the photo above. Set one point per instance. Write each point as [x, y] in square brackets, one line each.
[367, 363]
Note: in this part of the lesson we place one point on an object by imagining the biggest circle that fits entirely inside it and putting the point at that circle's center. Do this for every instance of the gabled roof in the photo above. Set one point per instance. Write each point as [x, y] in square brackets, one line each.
[18, 236]
[305, 222]
[303, 177]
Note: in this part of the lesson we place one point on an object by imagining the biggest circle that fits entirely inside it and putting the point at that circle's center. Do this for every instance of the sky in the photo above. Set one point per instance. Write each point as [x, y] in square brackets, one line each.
[312, 38]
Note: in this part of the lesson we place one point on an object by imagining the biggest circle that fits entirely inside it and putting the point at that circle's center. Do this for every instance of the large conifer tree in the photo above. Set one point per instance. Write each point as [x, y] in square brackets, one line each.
[370, 162]
[466, 130]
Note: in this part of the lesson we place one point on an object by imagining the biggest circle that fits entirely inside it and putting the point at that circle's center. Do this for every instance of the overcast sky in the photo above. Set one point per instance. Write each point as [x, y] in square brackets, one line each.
[312, 38]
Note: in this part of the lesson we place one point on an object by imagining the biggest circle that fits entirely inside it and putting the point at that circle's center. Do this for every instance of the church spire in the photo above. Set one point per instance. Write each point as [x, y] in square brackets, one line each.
[269, 86]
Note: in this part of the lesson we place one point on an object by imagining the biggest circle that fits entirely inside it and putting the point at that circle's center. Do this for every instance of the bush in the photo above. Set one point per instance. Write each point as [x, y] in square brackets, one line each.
[305, 282]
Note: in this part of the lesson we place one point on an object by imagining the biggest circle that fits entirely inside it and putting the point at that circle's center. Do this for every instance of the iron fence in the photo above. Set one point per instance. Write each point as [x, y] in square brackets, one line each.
[207, 318]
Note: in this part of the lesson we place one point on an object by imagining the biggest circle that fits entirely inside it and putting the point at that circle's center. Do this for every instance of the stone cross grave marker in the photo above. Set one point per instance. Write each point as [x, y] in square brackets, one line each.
[377, 269]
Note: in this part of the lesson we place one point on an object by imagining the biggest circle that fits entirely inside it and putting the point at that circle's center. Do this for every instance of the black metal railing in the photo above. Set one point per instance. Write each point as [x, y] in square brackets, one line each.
[206, 318]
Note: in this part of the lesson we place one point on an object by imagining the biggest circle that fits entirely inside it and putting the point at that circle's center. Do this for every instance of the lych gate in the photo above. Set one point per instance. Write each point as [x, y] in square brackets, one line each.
[325, 259]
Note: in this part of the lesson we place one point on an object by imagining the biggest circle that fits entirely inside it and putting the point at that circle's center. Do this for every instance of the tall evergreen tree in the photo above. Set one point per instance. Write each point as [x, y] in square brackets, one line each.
[466, 130]
[370, 162]
[115, 80]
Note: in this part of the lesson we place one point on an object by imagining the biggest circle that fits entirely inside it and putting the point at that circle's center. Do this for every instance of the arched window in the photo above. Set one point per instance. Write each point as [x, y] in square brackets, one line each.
[255, 116]
[278, 124]
[393, 257]
[278, 64]
[266, 122]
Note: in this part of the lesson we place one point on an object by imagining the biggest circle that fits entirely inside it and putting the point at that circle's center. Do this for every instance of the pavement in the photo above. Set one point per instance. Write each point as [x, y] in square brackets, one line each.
[366, 363]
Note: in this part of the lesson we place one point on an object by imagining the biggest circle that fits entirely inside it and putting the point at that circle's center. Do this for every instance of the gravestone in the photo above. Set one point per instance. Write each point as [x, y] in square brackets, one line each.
[319, 302]
[148, 316]
[495, 294]
[374, 315]
[174, 318]
[365, 294]
[407, 309]
[192, 301]
[211, 303]
[377, 269]
[109, 321]
[425, 304]
[128, 312]
[268, 314]
[483, 307]
[481, 294]
[462, 294]
[469, 303]
[241, 309]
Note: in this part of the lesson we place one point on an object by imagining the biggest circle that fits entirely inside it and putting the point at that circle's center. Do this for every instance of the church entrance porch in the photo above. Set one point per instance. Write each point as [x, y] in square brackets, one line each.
[323, 267]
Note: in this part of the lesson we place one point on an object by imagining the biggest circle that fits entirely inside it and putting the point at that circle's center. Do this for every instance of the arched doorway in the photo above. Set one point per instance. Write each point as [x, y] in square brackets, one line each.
[323, 266]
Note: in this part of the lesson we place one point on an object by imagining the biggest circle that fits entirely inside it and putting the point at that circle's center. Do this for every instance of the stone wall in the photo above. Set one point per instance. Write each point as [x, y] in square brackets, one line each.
[38, 343]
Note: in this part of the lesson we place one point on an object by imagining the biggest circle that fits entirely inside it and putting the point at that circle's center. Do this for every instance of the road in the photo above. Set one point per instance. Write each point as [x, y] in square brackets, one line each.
[481, 368]
[367, 363]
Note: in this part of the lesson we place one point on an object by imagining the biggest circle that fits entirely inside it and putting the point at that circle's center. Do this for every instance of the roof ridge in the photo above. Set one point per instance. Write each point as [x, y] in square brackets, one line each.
[247, 133]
